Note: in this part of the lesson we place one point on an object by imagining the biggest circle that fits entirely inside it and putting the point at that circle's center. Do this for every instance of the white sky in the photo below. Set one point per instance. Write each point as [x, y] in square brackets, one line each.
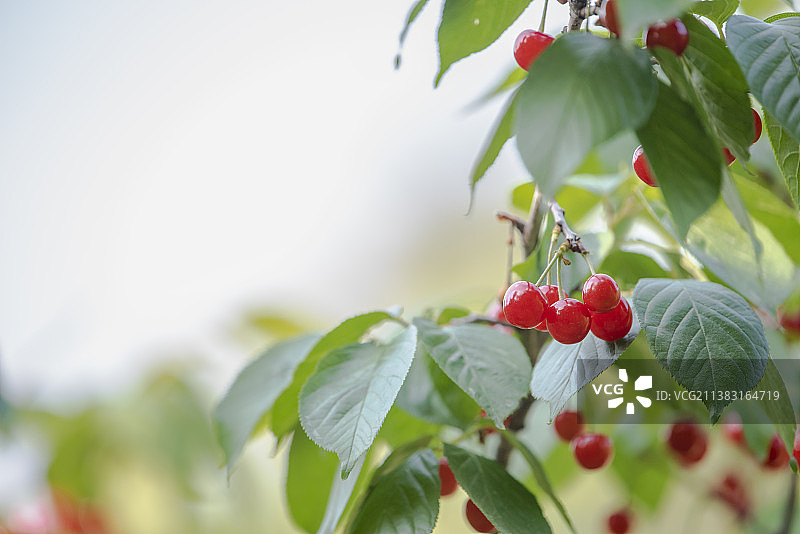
[164, 165]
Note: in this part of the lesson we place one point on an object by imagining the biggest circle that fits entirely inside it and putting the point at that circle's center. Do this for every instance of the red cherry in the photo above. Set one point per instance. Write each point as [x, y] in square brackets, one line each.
[568, 424]
[620, 521]
[592, 451]
[642, 168]
[733, 493]
[695, 453]
[449, 484]
[682, 436]
[777, 456]
[476, 519]
[790, 321]
[756, 124]
[568, 320]
[796, 448]
[615, 324]
[733, 430]
[729, 158]
[551, 295]
[671, 34]
[529, 45]
[600, 293]
[524, 305]
[608, 16]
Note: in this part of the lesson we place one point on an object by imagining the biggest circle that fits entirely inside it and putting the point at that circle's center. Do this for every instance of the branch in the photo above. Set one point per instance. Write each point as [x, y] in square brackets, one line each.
[530, 236]
[572, 238]
[518, 223]
[577, 14]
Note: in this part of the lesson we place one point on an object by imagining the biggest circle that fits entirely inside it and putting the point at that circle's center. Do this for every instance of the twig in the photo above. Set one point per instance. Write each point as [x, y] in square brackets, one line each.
[791, 502]
[518, 223]
[572, 238]
[530, 234]
[577, 13]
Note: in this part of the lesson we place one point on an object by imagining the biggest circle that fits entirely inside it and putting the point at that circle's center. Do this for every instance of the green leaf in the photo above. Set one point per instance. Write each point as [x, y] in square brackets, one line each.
[581, 91]
[708, 75]
[469, 26]
[558, 376]
[780, 411]
[539, 474]
[309, 476]
[345, 401]
[734, 201]
[780, 16]
[431, 396]
[490, 366]
[769, 55]
[510, 507]
[413, 13]
[404, 499]
[254, 391]
[341, 490]
[284, 412]
[718, 11]
[628, 267]
[635, 15]
[503, 131]
[705, 335]
[685, 159]
[787, 154]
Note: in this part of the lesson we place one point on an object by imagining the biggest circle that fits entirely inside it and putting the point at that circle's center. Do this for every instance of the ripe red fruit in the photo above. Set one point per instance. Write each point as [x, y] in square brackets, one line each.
[733, 493]
[642, 168]
[600, 293]
[529, 45]
[729, 158]
[682, 436]
[568, 424]
[591, 450]
[790, 321]
[756, 124]
[670, 34]
[524, 305]
[449, 483]
[608, 16]
[777, 456]
[695, 452]
[733, 430]
[476, 519]
[551, 295]
[568, 320]
[620, 521]
[796, 447]
[615, 324]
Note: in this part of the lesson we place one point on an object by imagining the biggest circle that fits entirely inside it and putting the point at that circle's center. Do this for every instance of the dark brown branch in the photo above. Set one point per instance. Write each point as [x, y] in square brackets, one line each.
[577, 14]
[518, 223]
[532, 231]
[572, 238]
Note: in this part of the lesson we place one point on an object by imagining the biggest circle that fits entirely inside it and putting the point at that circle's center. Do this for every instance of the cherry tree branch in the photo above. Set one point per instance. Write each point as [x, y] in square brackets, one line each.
[577, 14]
[572, 238]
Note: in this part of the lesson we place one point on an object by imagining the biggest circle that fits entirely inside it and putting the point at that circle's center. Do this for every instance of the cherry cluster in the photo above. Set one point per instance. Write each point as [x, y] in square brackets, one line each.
[592, 450]
[603, 311]
[475, 517]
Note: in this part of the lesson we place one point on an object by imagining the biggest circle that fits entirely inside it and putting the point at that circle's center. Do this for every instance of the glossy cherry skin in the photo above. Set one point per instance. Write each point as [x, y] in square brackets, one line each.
[592, 451]
[670, 34]
[609, 17]
[796, 447]
[568, 424]
[642, 168]
[600, 293]
[529, 45]
[682, 436]
[777, 456]
[615, 324]
[729, 158]
[449, 484]
[476, 519]
[757, 125]
[620, 522]
[524, 305]
[568, 321]
[550, 295]
[695, 453]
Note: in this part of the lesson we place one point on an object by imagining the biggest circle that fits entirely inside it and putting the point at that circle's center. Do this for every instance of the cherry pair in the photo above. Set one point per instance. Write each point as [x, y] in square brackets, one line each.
[591, 450]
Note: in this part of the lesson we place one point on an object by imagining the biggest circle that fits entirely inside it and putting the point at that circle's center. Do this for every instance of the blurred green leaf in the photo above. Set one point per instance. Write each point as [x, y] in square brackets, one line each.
[254, 391]
[490, 366]
[581, 91]
[769, 55]
[502, 132]
[402, 499]
[341, 491]
[644, 473]
[309, 476]
[635, 15]
[469, 26]
[510, 507]
[344, 403]
[628, 267]
[780, 411]
[787, 154]
[413, 13]
[734, 201]
[399, 427]
[718, 11]
[705, 335]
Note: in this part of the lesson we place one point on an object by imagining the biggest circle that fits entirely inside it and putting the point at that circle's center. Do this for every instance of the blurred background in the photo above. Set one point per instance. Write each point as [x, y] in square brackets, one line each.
[183, 183]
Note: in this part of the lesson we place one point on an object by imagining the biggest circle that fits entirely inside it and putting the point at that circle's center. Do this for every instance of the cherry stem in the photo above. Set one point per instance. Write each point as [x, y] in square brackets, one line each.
[510, 260]
[544, 16]
[560, 252]
[572, 238]
[589, 263]
[561, 293]
[553, 238]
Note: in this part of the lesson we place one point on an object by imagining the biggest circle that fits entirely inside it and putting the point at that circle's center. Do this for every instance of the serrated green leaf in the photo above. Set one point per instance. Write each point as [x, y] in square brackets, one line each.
[787, 154]
[502, 132]
[705, 335]
[431, 396]
[469, 26]
[635, 15]
[284, 412]
[581, 91]
[780, 411]
[344, 403]
[254, 391]
[490, 366]
[510, 507]
[718, 11]
[558, 376]
[708, 75]
[402, 500]
[309, 476]
[684, 158]
[769, 55]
